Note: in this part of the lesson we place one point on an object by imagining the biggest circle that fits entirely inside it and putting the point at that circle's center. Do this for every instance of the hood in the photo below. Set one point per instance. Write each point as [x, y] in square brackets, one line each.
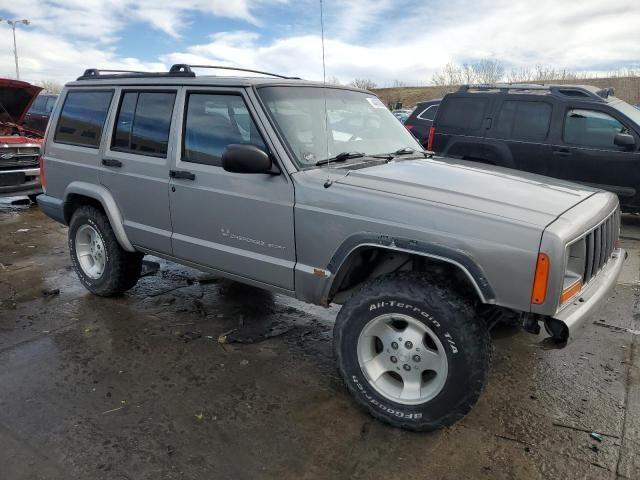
[529, 198]
[16, 97]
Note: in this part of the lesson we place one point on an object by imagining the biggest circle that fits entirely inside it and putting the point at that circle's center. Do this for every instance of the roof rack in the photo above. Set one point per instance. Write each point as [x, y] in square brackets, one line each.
[181, 67]
[177, 70]
[566, 90]
[98, 73]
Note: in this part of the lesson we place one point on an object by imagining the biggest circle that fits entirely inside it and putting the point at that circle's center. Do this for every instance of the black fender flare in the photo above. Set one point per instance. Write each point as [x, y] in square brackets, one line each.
[446, 254]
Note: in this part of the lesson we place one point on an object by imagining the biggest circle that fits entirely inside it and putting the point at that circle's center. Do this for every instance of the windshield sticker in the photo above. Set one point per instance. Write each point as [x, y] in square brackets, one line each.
[375, 102]
[309, 157]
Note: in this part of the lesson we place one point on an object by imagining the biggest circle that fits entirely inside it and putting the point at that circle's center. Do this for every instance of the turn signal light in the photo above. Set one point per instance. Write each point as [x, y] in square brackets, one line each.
[540, 280]
[570, 292]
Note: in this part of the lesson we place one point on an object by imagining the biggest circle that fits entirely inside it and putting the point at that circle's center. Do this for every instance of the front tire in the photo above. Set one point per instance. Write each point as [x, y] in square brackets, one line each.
[103, 267]
[411, 352]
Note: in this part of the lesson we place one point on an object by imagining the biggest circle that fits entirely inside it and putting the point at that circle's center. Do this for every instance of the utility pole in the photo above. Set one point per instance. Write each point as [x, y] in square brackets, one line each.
[13, 24]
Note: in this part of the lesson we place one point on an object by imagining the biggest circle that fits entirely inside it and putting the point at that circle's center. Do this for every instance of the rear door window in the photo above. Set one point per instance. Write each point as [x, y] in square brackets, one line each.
[82, 118]
[521, 120]
[143, 123]
[212, 122]
[591, 128]
[464, 113]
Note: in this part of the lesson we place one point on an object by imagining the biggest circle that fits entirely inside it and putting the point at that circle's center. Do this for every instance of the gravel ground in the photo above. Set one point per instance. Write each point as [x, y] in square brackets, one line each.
[139, 387]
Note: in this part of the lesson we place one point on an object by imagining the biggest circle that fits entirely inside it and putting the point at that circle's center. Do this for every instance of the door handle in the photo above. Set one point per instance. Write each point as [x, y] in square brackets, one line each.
[110, 162]
[563, 152]
[182, 174]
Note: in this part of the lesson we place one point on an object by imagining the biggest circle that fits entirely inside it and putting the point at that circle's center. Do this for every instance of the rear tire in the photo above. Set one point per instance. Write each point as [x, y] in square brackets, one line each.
[103, 267]
[411, 352]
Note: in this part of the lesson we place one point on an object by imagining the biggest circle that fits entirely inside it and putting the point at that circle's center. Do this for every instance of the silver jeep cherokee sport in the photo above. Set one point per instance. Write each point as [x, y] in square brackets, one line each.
[319, 193]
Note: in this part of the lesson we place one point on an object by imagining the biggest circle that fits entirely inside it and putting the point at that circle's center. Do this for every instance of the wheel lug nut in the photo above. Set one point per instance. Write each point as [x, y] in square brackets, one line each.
[393, 359]
[408, 345]
[416, 358]
[406, 367]
[394, 345]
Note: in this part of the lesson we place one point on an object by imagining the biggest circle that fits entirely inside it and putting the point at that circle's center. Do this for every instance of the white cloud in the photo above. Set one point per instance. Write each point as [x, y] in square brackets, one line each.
[382, 40]
[100, 20]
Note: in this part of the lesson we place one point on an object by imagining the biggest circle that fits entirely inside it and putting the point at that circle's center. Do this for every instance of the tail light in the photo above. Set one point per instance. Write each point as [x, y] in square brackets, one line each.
[43, 180]
[432, 134]
[540, 280]
[409, 127]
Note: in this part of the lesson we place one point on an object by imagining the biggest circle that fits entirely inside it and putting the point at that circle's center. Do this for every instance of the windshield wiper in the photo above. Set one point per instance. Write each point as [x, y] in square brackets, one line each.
[397, 153]
[404, 151]
[341, 157]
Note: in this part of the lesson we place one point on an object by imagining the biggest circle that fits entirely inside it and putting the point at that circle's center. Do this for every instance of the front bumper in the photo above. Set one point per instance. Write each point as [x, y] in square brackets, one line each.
[28, 184]
[590, 299]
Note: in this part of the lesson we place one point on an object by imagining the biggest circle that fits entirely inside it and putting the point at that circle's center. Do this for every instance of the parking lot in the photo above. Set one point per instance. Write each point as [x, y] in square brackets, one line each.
[189, 376]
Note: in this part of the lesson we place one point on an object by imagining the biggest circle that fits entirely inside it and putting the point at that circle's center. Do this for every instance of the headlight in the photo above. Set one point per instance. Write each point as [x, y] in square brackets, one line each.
[574, 269]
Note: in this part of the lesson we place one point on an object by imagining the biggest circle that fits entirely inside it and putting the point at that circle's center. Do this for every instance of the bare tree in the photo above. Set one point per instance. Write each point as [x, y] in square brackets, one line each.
[333, 80]
[50, 86]
[488, 70]
[398, 84]
[451, 74]
[520, 75]
[363, 83]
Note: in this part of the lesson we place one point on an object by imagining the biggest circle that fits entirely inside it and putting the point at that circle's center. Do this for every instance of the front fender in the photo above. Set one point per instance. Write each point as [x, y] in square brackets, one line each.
[102, 195]
[315, 285]
[438, 252]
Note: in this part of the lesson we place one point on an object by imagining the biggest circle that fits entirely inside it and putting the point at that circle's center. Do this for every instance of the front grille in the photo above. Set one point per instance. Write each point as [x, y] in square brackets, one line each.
[12, 157]
[600, 244]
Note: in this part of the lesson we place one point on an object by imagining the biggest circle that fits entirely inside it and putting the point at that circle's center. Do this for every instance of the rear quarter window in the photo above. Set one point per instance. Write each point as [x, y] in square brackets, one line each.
[463, 113]
[82, 118]
[428, 113]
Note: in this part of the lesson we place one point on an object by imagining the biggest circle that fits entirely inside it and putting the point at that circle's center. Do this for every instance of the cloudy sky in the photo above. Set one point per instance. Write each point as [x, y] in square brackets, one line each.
[382, 40]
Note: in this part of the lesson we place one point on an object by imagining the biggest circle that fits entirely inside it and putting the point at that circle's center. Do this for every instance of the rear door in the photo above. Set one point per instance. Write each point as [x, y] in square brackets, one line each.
[240, 224]
[135, 165]
[460, 125]
[519, 135]
[587, 153]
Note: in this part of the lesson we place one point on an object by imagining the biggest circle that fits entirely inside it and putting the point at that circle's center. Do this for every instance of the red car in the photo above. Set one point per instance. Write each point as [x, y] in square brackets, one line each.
[19, 145]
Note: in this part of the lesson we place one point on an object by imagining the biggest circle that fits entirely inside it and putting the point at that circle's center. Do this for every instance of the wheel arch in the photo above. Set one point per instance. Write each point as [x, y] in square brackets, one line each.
[366, 256]
[84, 193]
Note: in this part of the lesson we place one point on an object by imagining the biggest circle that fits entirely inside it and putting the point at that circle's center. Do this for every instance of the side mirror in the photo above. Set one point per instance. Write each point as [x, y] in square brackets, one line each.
[243, 158]
[624, 140]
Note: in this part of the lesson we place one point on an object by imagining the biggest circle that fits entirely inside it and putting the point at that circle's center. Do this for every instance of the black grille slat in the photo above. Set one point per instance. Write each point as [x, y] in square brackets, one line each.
[607, 245]
[589, 258]
[603, 245]
[597, 244]
[600, 243]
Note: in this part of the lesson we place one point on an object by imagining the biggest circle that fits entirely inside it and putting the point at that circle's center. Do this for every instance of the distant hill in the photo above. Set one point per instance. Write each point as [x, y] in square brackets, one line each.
[626, 88]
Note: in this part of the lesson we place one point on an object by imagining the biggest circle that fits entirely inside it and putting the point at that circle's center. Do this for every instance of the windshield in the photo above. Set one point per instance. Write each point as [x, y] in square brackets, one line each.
[355, 122]
[631, 112]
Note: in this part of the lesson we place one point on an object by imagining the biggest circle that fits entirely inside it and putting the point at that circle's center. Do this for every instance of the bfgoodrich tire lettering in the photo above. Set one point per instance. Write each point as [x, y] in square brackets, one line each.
[461, 332]
[121, 269]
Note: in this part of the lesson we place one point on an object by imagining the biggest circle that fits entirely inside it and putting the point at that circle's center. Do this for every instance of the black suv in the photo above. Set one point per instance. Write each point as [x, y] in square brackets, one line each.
[577, 133]
[421, 119]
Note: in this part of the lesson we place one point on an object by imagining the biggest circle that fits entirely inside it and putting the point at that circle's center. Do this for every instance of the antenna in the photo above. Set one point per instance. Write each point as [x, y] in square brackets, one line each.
[328, 183]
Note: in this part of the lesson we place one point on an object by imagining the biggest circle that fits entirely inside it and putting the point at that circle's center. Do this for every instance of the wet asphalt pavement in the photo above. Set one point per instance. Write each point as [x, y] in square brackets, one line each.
[141, 387]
